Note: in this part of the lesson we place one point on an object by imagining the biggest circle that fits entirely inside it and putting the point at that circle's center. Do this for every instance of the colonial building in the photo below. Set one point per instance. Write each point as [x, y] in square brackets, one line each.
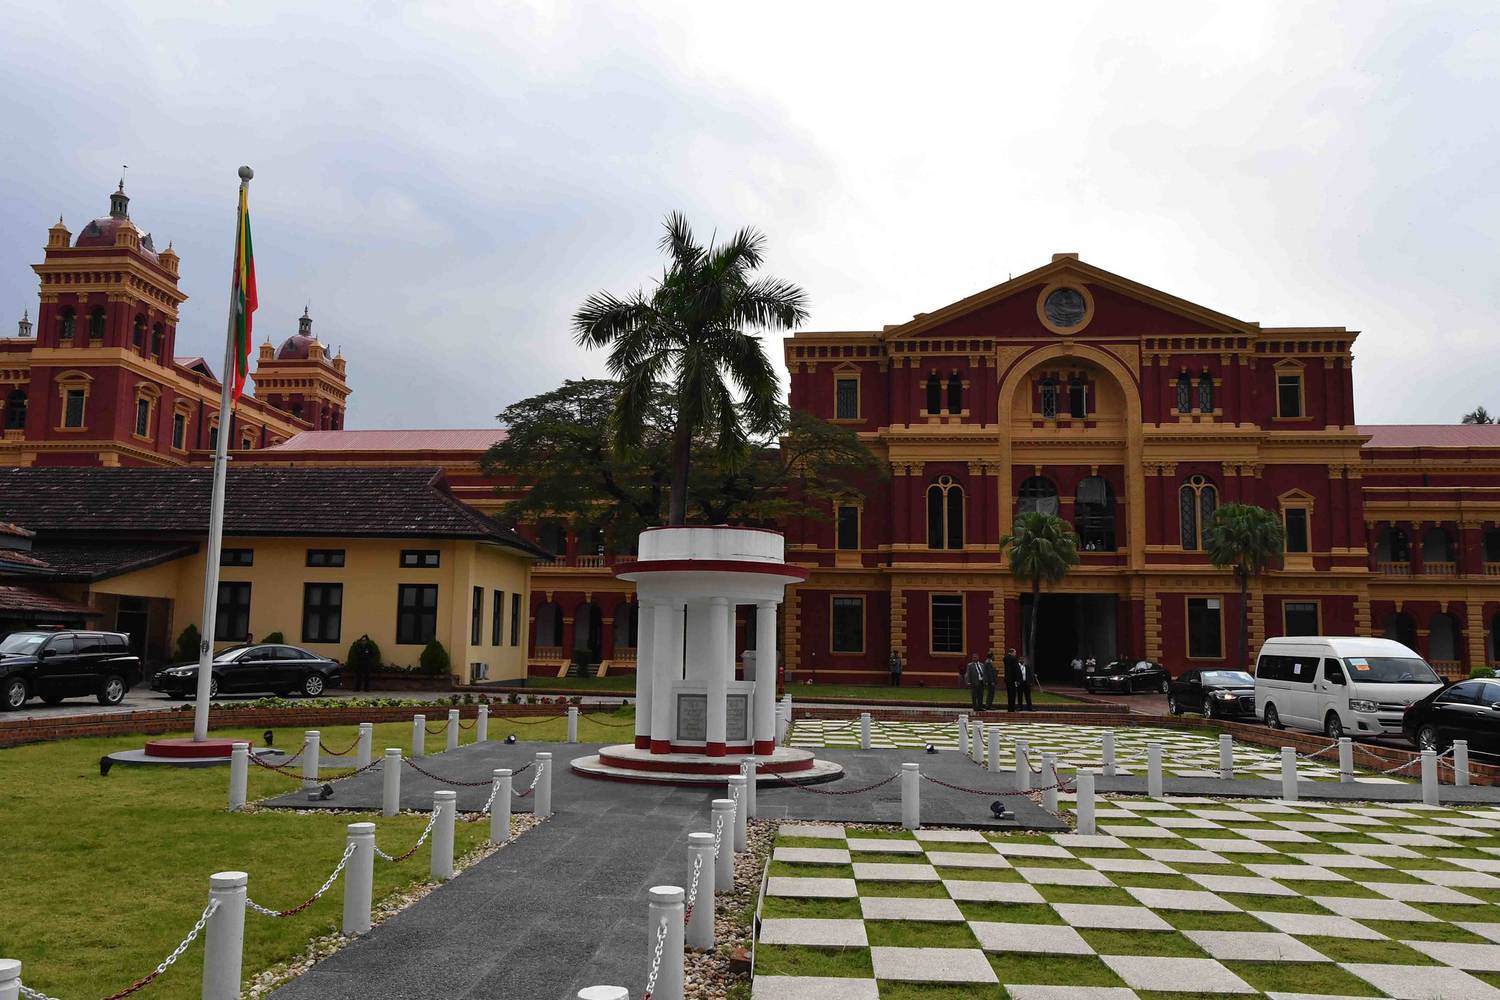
[97, 380]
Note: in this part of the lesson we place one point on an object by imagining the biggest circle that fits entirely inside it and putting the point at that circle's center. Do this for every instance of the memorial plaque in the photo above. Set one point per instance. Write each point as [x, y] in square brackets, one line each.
[736, 709]
[692, 717]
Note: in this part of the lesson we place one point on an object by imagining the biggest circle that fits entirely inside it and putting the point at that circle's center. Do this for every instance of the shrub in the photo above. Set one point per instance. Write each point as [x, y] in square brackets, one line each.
[435, 660]
[1482, 672]
[274, 637]
[188, 643]
[363, 652]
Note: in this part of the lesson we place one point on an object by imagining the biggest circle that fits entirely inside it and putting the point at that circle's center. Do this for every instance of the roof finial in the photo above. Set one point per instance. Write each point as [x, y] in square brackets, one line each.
[123, 167]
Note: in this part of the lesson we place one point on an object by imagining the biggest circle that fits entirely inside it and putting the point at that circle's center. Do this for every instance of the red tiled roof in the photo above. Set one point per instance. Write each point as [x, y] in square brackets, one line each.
[36, 602]
[391, 441]
[1432, 435]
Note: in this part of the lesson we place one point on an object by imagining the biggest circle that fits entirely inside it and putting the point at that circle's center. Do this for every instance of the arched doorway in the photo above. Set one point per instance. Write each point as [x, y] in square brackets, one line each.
[546, 638]
[1442, 643]
[588, 634]
[1398, 625]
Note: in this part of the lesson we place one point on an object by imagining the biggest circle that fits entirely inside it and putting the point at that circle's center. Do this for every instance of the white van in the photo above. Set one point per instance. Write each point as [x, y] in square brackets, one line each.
[1338, 685]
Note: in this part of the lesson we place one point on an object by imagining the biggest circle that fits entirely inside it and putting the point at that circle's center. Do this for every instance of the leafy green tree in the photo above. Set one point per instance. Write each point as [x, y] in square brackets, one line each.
[1249, 540]
[1041, 549]
[1478, 415]
[687, 342]
[188, 643]
[434, 660]
[276, 637]
[363, 652]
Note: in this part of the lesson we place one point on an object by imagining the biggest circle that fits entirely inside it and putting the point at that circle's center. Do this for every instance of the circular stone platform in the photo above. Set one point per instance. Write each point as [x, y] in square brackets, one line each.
[625, 762]
[186, 747]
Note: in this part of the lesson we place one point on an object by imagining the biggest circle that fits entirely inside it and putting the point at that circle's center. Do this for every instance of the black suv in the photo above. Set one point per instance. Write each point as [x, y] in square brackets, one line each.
[70, 664]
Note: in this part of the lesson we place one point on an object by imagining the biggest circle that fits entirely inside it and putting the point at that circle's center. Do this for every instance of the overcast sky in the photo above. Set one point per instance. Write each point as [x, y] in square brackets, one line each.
[444, 183]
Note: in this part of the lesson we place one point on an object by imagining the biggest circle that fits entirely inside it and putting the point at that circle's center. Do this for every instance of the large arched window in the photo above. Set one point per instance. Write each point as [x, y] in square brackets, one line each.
[1184, 393]
[138, 332]
[955, 394]
[65, 325]
[15, 411]
[1049, 397]
[1196, 502]
[934, 394]
[548, 634]
[1094, 515]
[1437, 546]
[1399, 626]
[945, 514]
[1078, 397]
[96, 324]
[1038, 495]
[1442, 638]
[1392, 545]
[1205, 393]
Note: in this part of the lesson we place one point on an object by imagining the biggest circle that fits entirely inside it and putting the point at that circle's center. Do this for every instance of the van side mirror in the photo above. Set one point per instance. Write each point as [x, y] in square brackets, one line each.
[1339, 680]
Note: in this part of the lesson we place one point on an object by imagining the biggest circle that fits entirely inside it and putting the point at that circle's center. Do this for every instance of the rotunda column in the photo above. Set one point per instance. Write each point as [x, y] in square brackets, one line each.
[665, 621]
[720, 666]
[764, 713]
[644, 666]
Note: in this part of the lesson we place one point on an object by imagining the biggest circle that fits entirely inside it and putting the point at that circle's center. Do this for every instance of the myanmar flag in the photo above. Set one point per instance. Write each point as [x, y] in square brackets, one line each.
[242, 299]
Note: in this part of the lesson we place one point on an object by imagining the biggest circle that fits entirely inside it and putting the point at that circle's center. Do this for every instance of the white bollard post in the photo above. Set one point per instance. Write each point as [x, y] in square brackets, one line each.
[1153, 770]
[453, 729]
[864, 730]
[911, 796]
[780, 723]
[482, 725]
[541, 805]
[572, 723]
[390, 782]
[1107, 753]
[976, 743]
[994, 748]
[419, 735]
[1085, 808]
[963, 734]
[1429, 777]
[721, 821]
[500, 809]
[664, 930]
[700, 925]
[446, 804]
[1288, 774]
[311, 747]
[741, 827]
[224, 937]
[10, 979]
[359, 879]
[1049, 783]
[1460, 763]
[748, 768]
[239, 776]
[364, 747]
[1023, 767]
[594, 993]
[1346, 760]
[1226, 756]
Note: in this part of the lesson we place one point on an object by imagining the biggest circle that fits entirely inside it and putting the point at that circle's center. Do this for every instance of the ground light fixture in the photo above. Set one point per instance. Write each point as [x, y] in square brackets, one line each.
[269, 737]
[510, 739]
[998, 808]
[929, 748]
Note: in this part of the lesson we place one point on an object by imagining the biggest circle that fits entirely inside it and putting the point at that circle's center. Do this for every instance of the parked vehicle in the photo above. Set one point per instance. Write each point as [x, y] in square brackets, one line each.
[1339, 685]
[66, 664]
[1218, 694]
[279, 669]
[1468, 710]
[1128, 677]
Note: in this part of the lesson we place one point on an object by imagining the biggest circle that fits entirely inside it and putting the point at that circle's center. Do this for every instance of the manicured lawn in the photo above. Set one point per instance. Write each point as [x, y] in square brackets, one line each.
[936, 695]
[105, 875]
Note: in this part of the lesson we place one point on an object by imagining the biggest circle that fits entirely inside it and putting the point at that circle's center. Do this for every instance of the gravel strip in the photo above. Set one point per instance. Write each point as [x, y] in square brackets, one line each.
[709, 975]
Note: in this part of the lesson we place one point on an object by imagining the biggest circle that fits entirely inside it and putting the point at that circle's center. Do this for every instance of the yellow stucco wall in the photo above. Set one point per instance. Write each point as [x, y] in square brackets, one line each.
[371, 573]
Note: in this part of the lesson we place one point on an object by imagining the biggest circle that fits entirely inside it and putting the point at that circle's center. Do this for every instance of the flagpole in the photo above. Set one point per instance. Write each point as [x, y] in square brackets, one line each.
[216, 505]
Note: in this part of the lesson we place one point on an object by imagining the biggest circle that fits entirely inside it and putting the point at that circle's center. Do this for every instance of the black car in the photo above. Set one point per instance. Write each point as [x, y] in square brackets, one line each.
[1468, 710]
[279, 669]
[1128, 677]
[1218, 694]
[66, 664]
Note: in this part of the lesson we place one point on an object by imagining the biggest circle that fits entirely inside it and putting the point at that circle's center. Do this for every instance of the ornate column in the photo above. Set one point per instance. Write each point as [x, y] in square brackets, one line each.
[720, 653]
[665, 621]
[765, 678]
[900, 502]
[645, 641]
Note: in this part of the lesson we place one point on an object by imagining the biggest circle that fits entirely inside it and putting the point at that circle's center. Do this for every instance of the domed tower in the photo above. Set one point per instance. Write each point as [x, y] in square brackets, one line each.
[301, 378]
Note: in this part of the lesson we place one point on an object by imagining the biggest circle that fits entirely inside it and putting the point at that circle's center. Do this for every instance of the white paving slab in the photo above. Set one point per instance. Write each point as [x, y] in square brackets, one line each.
[1483, 929]
[1317, 925]
[1019, 992]
[811, 855]
[991, 892]
[811, 888]
[1064, 876]
[1197, 900]
[1041, 939]
[818, 831]
[966, 859]
[1299, 873]
[1182, 857]
[1471, 957]
[1229, 845]
[875, 872]
[950, 836]
[1140, 865]
[908, 908]
[813, 988]
[813, 931]
[885, 845]
[1110, 917]
[1010, 850]
[1253, 946]
[1242, 883]
[1373, 909]
[1459, 880]
[1422, 892]
[1424, 982]
[1090, 841]
[1176, 975]
[932, 965]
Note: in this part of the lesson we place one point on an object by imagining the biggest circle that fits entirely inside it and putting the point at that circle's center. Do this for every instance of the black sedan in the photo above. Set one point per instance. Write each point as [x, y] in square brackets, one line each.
[1468, 710]
[1218, 694]
[1128, 677]
[279, 669]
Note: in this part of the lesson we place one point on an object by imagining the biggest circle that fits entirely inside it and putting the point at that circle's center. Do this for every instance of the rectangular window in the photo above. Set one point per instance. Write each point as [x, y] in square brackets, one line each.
[846, 399]
[73, 408]
[515, 619]
[1301, 617]
[213, 438]
[322, 611]
[232, 620]
[325, 557]
[416, 613]
[1296, 529]
[142, 417]
[476, 617]
[497, 619]
[947, 623]
[419, 558]
[1289, 395]
[848, 624]
[1205, 635]
[237, 557]
[848, 527]
[179, 430]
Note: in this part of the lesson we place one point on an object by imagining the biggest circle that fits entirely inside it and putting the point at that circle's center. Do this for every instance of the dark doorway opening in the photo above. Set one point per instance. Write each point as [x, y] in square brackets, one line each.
[1070, 625]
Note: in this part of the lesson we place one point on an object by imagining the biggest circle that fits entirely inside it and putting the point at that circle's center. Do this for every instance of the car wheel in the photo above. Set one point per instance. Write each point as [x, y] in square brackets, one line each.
[1273, 717]
[1165, 685]
[312, 685]
[16, 693]
[1172, 705]
[1208, 707]
[1333, 726]
[1428, 738]
[112, 691]
[213, 687]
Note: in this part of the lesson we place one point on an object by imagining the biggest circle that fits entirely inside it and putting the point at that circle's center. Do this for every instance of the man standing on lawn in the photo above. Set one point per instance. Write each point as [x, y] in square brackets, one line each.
[974, 675]
[895, 668]
[1012, 679]
[1023, 693]
[989, 680]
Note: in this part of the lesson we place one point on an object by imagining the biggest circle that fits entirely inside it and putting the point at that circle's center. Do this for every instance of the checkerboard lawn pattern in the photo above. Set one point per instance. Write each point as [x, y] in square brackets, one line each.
[1185, 754]
[1177, 898]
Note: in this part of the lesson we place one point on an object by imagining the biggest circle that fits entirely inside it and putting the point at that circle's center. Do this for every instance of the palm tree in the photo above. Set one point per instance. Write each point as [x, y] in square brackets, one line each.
[1478, 415]
[688, 337]
[1247, 539]
[1041, 548]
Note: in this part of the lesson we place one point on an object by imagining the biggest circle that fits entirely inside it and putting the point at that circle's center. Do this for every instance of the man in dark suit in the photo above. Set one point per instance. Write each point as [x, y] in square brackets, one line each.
[974, 676]
[1012, 679]
[989, 680]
